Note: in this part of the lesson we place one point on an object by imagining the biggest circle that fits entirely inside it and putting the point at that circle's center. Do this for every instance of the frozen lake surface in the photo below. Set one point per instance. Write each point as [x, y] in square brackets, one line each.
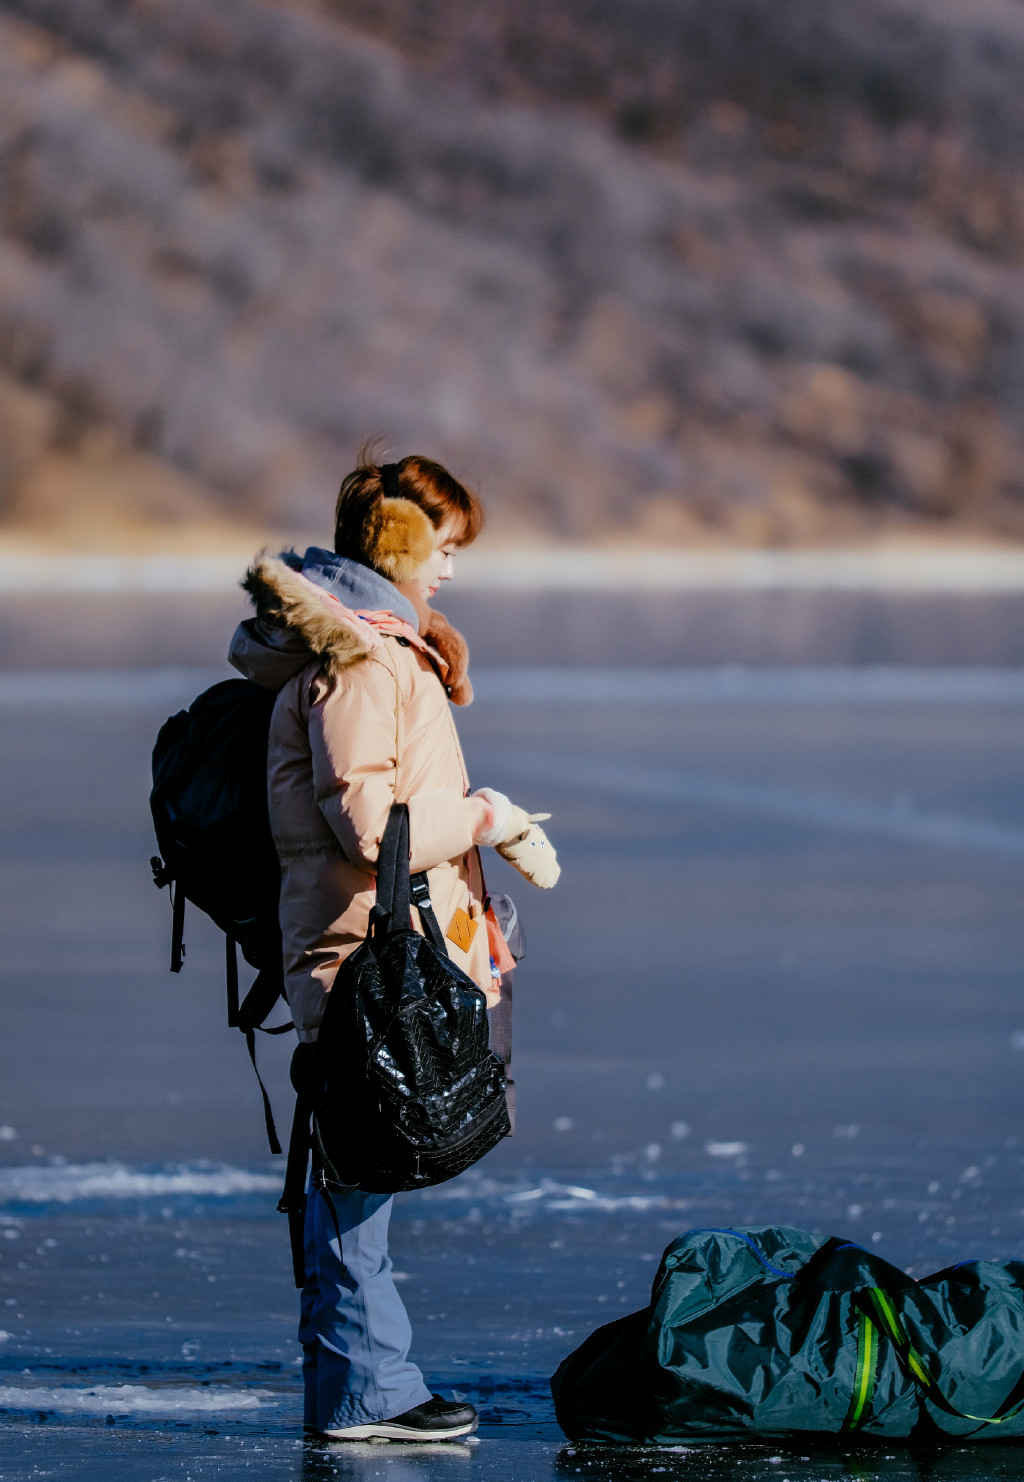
[779, 981]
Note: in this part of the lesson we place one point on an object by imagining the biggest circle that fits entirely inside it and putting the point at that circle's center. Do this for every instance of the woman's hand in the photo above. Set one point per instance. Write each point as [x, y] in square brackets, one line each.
[517, 838]
[481, 817]
[505, 821]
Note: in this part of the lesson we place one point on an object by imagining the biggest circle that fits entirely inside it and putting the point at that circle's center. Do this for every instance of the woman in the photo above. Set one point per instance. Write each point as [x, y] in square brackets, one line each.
[364, 672]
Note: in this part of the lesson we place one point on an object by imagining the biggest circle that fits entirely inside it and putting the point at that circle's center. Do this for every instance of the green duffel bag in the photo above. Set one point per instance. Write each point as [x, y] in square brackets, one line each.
[772, 1332]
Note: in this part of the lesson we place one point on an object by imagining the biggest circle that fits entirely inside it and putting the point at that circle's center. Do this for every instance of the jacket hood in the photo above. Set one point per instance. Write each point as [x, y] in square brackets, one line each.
[298, 619]
[306, 608]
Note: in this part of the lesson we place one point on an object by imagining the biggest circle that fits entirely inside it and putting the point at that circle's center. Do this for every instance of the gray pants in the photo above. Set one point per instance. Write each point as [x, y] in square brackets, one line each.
[353, 1326]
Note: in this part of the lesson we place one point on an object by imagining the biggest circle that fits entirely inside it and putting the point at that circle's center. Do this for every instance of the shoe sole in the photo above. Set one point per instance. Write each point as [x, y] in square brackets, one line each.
[384, 1430]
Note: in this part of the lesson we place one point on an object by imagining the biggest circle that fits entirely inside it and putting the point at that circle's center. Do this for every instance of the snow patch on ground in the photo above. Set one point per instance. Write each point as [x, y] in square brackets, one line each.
[68, 1182]
[132, 1399]
[725, 1149]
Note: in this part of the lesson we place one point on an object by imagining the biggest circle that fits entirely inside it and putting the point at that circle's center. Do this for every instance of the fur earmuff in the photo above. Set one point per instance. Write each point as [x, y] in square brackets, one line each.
[397, 538]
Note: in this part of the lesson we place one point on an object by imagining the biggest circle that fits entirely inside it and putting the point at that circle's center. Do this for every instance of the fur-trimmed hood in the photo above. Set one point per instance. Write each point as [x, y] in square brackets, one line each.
[329, 608]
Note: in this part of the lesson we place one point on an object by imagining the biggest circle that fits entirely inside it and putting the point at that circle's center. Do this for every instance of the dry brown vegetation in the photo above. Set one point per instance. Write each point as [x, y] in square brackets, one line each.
[747, 270]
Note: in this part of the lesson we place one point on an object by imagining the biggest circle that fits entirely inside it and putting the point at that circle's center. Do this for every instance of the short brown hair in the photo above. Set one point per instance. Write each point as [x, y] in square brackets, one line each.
[428, 484]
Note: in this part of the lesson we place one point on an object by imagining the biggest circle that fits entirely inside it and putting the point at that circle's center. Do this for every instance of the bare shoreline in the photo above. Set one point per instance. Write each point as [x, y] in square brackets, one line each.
[26, 567]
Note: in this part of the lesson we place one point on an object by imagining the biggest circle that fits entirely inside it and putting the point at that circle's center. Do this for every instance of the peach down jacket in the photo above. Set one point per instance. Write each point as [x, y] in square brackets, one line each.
[362, 720]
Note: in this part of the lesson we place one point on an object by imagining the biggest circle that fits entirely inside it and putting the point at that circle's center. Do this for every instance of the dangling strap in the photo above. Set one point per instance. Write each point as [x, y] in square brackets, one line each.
[325, 1196]
[266, 989]
[163, 875]
[268, 1115]
[878, 1306]
[325, 1177]
[231, 974]
[293, 1196]
[235, 1021]
[177, 926]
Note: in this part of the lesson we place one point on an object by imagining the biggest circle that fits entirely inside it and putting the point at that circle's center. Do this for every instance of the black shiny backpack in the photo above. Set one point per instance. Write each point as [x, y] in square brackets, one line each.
[409, 1093]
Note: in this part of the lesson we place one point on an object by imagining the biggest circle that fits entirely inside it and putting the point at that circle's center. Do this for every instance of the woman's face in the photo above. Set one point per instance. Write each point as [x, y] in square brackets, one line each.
[438, 567]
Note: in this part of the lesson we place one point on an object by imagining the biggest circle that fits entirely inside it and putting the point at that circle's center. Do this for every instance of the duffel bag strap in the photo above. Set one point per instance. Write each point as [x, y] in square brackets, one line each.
[867, 1373]
[880, 1309]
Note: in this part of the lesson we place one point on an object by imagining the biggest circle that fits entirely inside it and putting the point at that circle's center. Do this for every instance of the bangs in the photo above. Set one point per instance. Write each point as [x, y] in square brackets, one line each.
[442, 497]
[467, 520]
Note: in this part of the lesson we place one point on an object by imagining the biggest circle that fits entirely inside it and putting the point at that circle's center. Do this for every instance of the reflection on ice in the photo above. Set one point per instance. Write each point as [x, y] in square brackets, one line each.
[828, 1461]
[402, 1461]
[548, 1195]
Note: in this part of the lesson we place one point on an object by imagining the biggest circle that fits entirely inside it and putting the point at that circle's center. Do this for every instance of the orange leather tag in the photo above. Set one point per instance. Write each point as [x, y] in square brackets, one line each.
[461, 930]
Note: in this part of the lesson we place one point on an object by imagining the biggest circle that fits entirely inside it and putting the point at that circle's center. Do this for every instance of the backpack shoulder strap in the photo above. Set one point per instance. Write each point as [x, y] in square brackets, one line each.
[392, 874]
[419, 889]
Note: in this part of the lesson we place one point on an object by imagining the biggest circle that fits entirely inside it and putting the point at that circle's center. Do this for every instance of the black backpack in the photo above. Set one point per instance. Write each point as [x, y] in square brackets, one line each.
[408, 1093]
[209, 804]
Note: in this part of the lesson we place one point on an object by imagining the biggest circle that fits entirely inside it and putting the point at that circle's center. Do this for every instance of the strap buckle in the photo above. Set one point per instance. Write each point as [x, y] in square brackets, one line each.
[420, 892]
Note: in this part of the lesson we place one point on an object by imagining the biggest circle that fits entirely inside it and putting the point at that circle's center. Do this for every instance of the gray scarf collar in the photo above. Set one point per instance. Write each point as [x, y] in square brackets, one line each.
[359, 587]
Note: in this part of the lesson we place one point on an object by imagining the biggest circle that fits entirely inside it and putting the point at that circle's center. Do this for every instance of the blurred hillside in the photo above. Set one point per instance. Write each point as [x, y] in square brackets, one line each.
[742, 271]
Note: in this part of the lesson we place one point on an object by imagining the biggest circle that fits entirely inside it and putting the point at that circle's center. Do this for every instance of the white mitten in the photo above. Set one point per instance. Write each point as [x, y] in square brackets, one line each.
[518, 839]
[533, 855]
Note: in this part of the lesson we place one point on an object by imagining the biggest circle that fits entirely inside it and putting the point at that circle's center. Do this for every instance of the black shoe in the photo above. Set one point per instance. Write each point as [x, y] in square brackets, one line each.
[434, 1420]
